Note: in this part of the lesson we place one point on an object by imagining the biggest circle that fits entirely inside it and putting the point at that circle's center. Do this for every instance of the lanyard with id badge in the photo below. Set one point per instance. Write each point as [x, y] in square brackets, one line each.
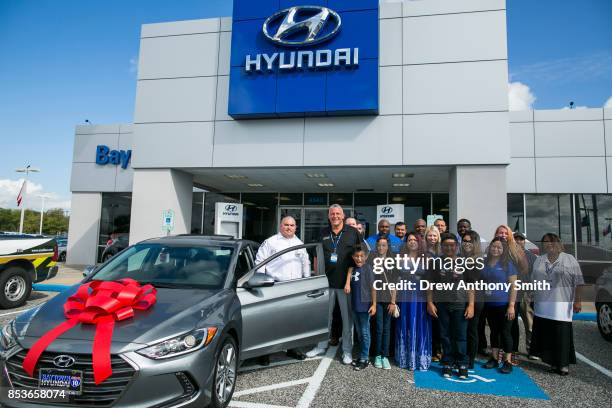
[334, 256]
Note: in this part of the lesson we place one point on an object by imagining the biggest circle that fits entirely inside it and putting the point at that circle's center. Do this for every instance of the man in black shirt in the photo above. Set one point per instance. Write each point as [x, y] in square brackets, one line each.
[338, 241]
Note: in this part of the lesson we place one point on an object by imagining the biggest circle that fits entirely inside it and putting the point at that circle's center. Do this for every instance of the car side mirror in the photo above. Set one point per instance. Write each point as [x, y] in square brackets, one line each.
[88, 270]
[259, 280]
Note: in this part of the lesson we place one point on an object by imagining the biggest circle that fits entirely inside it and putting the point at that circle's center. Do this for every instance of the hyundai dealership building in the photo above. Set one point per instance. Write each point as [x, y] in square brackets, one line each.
[290, 106]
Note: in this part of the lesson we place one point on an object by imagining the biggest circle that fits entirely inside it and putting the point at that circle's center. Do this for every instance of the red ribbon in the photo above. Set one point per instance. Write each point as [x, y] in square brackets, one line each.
[108, 302]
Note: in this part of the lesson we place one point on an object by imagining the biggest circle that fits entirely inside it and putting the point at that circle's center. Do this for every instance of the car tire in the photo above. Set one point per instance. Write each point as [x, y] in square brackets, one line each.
[604, 320]
[226, 368]
[15, 287]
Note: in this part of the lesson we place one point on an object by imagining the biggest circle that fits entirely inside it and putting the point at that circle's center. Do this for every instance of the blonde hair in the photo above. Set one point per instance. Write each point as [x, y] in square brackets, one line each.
[433, 229]
[516, 252]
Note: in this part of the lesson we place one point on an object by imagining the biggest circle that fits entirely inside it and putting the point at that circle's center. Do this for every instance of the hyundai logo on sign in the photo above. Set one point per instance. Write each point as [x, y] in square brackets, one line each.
[64, 361]
[386, 210]
[328, 55]
[306, 31]
[230, 208]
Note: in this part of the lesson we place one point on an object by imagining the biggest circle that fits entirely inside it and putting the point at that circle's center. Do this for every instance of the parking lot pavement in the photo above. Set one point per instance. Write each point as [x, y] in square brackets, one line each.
[36, 298]
[326, 382]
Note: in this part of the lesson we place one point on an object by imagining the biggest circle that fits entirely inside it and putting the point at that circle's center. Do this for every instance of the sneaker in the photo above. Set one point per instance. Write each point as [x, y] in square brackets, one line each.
[378, 362]
[463, 373]
[447, 372]
[316, 352]
[506, 368]
[385, 363]
[492, 363]
[361, 365]
[347, 359]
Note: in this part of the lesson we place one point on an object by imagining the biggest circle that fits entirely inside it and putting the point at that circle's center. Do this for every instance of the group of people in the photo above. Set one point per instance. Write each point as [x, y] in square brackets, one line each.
[441, 325]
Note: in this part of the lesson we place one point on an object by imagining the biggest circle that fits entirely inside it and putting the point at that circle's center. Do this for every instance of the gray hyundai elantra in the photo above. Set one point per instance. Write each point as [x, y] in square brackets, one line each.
[212, 310]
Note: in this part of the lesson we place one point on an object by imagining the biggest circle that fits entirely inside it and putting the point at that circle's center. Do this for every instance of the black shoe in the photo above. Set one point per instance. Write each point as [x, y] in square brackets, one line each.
[296, 354]
[506, 368]
[447, 372]
[361, 365]
[492, 363]
[264, 360]
[463, 373]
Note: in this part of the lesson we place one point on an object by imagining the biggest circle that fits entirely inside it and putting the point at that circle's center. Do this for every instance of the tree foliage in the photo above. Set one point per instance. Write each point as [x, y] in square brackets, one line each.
[54, 222]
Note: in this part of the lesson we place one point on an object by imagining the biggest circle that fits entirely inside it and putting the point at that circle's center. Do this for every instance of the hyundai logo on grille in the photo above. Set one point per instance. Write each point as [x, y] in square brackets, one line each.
[316, 24]
[230, 208]
[64, 361]
[386, 210]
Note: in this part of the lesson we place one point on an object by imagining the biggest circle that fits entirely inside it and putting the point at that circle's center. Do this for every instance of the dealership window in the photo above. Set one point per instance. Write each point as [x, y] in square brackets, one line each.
[197, 208]
[290, 199]
[315, 199]
[344, 199]
[593, 226]
[260, 212]
[416, 205]
[516, 213]
[365, 209]
[440, 205]
[114, 219]
[210, 199]
[550, 213]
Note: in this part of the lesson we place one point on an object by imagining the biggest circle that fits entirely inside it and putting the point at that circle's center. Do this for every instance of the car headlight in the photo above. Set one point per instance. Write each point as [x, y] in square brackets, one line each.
[8, 338]
[185, 343]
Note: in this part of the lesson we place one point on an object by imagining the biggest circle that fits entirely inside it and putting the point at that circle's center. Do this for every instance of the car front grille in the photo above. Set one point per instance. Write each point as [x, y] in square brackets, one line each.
[101, 395]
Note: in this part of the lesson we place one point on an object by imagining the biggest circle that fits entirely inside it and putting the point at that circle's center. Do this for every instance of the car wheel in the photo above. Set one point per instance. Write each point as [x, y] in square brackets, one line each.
[15, 287]
[226, 367]
[604, 320]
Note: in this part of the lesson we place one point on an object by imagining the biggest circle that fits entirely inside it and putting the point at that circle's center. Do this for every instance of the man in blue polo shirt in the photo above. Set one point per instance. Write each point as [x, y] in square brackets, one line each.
[384, 230]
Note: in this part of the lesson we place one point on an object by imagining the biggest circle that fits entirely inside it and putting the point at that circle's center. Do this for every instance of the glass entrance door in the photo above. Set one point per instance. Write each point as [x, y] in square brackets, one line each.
[310, 221]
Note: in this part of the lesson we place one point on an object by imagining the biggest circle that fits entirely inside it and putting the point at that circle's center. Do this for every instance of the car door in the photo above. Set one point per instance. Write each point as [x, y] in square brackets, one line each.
[288, 314]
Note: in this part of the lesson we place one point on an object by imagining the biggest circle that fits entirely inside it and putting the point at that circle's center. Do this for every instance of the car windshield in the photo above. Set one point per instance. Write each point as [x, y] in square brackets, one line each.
[170, 266]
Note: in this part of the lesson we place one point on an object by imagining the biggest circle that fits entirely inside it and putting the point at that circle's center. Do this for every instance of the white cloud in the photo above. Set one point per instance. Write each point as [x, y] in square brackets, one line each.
[9, 189]
[520, 97]
[133, 65]
[608, 103]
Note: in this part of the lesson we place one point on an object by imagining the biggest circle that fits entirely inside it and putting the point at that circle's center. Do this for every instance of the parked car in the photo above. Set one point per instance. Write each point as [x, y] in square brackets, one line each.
[24, 260]
[212, 312]
[116, 244]
[603, 303]
[62, 248]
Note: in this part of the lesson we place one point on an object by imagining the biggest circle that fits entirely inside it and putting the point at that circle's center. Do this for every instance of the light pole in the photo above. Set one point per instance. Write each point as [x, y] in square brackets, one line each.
[42, 210]
[27, 170]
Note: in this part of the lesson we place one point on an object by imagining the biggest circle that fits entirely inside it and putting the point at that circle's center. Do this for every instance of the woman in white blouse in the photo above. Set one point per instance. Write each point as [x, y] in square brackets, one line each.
[553, 338]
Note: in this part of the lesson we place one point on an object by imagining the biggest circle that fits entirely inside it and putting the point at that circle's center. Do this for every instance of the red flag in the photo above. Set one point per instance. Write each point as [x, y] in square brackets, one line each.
[20, 195]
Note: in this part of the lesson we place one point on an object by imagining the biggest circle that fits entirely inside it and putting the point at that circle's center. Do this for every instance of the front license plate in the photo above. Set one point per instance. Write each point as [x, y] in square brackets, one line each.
[70, 381]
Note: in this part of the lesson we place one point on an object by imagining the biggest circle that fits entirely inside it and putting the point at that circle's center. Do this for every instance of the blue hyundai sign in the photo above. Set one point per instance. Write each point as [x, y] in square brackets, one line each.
[304, 58]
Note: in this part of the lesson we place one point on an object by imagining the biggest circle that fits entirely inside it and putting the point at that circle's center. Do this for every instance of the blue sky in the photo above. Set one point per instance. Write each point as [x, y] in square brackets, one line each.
[64, 61]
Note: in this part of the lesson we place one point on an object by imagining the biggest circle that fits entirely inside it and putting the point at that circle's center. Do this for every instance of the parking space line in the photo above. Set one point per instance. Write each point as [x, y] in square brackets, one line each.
[272, 387]
[16, 311]
[244, 404]
[593, 364]
[317, 378]
[275, 364]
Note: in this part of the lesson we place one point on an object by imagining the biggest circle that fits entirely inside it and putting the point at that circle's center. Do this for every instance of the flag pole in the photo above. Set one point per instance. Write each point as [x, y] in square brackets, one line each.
[27, 170]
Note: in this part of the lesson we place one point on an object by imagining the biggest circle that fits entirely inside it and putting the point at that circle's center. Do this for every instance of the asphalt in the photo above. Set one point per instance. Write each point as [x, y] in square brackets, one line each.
[326, 382]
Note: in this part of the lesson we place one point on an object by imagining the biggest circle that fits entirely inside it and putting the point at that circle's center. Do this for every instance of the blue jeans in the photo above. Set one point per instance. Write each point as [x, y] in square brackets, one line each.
[383, 329]
[453, 334]
[362, 324]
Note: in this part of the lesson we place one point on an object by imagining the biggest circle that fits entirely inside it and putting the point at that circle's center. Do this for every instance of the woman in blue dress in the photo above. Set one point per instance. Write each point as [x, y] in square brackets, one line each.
[413, 328]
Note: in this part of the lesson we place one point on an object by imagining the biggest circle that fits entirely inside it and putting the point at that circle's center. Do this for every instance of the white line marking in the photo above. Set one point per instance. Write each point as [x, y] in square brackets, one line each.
[275, 364]
[244, 404]
[317, 378]
[272, 387]
[596, 366]
[16, 311]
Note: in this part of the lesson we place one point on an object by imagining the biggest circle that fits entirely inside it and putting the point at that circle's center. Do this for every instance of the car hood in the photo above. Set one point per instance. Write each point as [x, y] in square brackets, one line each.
[176, 311]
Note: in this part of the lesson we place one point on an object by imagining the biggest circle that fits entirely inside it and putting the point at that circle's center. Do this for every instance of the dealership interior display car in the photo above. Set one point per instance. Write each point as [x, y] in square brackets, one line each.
[207, 309]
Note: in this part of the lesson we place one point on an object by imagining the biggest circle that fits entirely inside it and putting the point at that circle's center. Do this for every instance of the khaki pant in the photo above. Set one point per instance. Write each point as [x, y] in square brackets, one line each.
[527, 317]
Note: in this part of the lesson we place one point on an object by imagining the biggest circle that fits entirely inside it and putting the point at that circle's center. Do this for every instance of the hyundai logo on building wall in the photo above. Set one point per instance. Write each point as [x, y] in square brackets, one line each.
[309, 29]
[386, 210]
[64, 361]
[230, 208]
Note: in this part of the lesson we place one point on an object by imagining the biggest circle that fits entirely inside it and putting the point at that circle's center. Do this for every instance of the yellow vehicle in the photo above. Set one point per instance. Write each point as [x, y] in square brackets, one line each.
[24, 260]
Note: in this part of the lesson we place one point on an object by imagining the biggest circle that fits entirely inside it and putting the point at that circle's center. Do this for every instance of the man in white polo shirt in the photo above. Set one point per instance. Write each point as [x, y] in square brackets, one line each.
[292, 265]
